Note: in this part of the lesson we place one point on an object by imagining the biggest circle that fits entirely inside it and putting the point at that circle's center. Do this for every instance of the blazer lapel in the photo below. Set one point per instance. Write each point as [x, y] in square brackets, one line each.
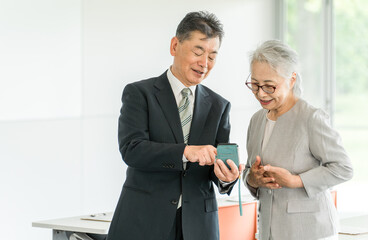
[200, 113]
[166, 99]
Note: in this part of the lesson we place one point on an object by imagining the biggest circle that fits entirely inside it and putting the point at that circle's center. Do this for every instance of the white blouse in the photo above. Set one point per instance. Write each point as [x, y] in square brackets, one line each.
[268, 131]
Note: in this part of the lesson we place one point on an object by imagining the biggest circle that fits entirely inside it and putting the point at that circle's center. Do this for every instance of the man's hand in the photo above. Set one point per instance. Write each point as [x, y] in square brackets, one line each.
[224, 173]
[283, 177]
[204, 155]
[258, 178]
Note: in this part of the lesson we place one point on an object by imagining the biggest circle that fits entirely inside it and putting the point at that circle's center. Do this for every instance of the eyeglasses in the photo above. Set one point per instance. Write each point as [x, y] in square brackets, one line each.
[255, 87]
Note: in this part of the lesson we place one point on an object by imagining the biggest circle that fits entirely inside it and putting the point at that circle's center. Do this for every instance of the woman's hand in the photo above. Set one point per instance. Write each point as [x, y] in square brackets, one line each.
[283, 177]
[257, 176]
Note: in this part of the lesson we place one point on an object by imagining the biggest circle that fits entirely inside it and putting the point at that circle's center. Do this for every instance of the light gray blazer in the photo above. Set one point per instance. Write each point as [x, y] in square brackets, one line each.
[302, 142]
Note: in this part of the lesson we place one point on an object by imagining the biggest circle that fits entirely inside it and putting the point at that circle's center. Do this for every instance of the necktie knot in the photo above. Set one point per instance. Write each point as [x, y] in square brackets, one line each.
[185, 92]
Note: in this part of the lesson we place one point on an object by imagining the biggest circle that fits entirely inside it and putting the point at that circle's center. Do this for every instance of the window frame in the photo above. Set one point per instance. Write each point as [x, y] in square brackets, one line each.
[328, 45]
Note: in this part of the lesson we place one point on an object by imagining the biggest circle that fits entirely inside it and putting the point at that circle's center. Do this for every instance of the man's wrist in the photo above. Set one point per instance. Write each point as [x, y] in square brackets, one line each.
[224, 183]
[185, 153]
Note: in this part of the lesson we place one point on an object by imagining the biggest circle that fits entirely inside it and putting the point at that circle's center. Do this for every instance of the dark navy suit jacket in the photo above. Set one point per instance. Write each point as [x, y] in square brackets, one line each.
[151, 144]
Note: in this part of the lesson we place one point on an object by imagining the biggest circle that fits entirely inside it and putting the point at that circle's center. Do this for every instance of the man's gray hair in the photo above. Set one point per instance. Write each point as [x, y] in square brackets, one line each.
[281, 58]
[202, 21]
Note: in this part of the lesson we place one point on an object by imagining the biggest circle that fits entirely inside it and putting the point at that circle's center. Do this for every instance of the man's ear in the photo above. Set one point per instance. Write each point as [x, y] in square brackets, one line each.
[173, 46]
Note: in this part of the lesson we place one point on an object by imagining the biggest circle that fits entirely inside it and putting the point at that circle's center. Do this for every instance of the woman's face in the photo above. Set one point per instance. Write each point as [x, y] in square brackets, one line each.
[263, 74]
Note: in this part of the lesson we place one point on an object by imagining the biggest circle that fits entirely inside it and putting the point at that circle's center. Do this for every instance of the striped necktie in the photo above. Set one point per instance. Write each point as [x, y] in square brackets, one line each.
[185, 113]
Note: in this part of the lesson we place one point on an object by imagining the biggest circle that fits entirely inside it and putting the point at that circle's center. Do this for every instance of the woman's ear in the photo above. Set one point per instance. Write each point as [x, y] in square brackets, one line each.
[293, 79]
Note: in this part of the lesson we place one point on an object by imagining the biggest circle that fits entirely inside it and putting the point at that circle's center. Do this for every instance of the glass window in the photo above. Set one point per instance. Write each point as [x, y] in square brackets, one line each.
[306, 33]
[351, 115]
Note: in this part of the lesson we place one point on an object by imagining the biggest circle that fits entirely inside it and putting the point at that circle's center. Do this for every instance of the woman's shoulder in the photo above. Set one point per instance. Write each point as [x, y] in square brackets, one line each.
[261, 113]
[258, 118]
[303, 107]
[310, 112]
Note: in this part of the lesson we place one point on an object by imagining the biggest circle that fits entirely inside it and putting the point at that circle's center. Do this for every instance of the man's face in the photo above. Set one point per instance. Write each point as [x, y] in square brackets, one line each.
[194, 57]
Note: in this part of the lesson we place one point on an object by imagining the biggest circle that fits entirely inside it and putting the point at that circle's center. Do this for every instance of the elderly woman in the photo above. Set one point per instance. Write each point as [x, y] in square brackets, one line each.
[294, 156]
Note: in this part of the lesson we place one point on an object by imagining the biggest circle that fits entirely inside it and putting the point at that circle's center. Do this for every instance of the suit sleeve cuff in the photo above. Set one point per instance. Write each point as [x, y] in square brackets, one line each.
[225, 187]
[185, 160]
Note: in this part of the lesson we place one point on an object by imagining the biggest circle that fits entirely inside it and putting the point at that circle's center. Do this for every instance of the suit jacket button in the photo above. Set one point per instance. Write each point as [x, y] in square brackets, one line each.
[174, 202]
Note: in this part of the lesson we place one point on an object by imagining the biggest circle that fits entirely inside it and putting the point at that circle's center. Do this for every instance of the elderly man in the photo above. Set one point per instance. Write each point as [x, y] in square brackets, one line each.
[169, 128]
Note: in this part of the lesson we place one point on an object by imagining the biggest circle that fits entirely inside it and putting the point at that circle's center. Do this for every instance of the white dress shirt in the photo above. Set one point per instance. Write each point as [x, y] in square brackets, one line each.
[177, 87]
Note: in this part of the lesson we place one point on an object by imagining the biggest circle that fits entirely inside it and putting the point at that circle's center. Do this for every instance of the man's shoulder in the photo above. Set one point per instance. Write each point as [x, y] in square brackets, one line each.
[213, 94]
[147, 83]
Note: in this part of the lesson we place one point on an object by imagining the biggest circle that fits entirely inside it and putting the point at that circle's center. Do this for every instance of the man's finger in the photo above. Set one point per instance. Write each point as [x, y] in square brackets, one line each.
[212, 162]
[202, 161]
[218, 171]
[212, 155]
[225, 170]
[241, 168]
[233, 167]
[207, 159]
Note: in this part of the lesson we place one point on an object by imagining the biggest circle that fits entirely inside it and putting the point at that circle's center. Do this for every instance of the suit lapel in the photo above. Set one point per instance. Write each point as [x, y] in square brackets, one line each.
[167, 102]
[166, 99]
[200, 113]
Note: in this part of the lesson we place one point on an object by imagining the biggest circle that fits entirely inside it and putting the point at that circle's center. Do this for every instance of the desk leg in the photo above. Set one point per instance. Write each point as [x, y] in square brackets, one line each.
[65, 235]
[59, 235]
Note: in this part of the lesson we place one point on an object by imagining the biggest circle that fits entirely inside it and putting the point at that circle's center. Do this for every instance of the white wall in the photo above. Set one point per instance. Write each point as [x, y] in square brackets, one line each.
[63, 66]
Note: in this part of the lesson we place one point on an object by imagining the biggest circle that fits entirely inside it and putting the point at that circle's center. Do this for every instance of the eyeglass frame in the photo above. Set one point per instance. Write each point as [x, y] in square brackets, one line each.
[268, 92]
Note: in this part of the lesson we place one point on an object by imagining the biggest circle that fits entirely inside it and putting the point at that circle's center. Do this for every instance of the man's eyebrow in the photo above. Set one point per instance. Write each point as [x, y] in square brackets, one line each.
[203, 50]
[199, 47]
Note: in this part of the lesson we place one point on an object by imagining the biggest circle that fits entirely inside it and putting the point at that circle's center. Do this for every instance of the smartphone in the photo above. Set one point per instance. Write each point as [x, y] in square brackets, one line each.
[227, 151]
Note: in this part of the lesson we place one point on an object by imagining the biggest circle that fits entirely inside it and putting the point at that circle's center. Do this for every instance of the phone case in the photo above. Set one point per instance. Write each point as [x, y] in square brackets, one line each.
[227, 151]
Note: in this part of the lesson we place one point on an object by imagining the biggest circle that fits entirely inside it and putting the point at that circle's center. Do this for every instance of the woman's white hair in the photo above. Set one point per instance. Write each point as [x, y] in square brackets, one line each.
[281, 58]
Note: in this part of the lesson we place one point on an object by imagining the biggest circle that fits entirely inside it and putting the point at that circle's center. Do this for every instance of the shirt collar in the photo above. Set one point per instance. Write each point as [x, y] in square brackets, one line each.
[176, 85]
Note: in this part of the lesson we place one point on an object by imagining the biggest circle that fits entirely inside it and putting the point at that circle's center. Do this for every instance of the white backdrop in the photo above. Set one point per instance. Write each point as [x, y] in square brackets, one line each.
[63, 66]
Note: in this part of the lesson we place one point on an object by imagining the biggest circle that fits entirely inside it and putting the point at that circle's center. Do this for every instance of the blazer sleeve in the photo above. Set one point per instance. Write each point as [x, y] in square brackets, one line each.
[223, 131]
[134, 142]
[253, 191]
[222, 136]
[326, 146]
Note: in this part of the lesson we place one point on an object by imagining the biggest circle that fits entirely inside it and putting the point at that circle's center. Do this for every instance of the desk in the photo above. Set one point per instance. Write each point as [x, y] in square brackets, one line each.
[232, 225]
[64, 227]
[354, 224]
